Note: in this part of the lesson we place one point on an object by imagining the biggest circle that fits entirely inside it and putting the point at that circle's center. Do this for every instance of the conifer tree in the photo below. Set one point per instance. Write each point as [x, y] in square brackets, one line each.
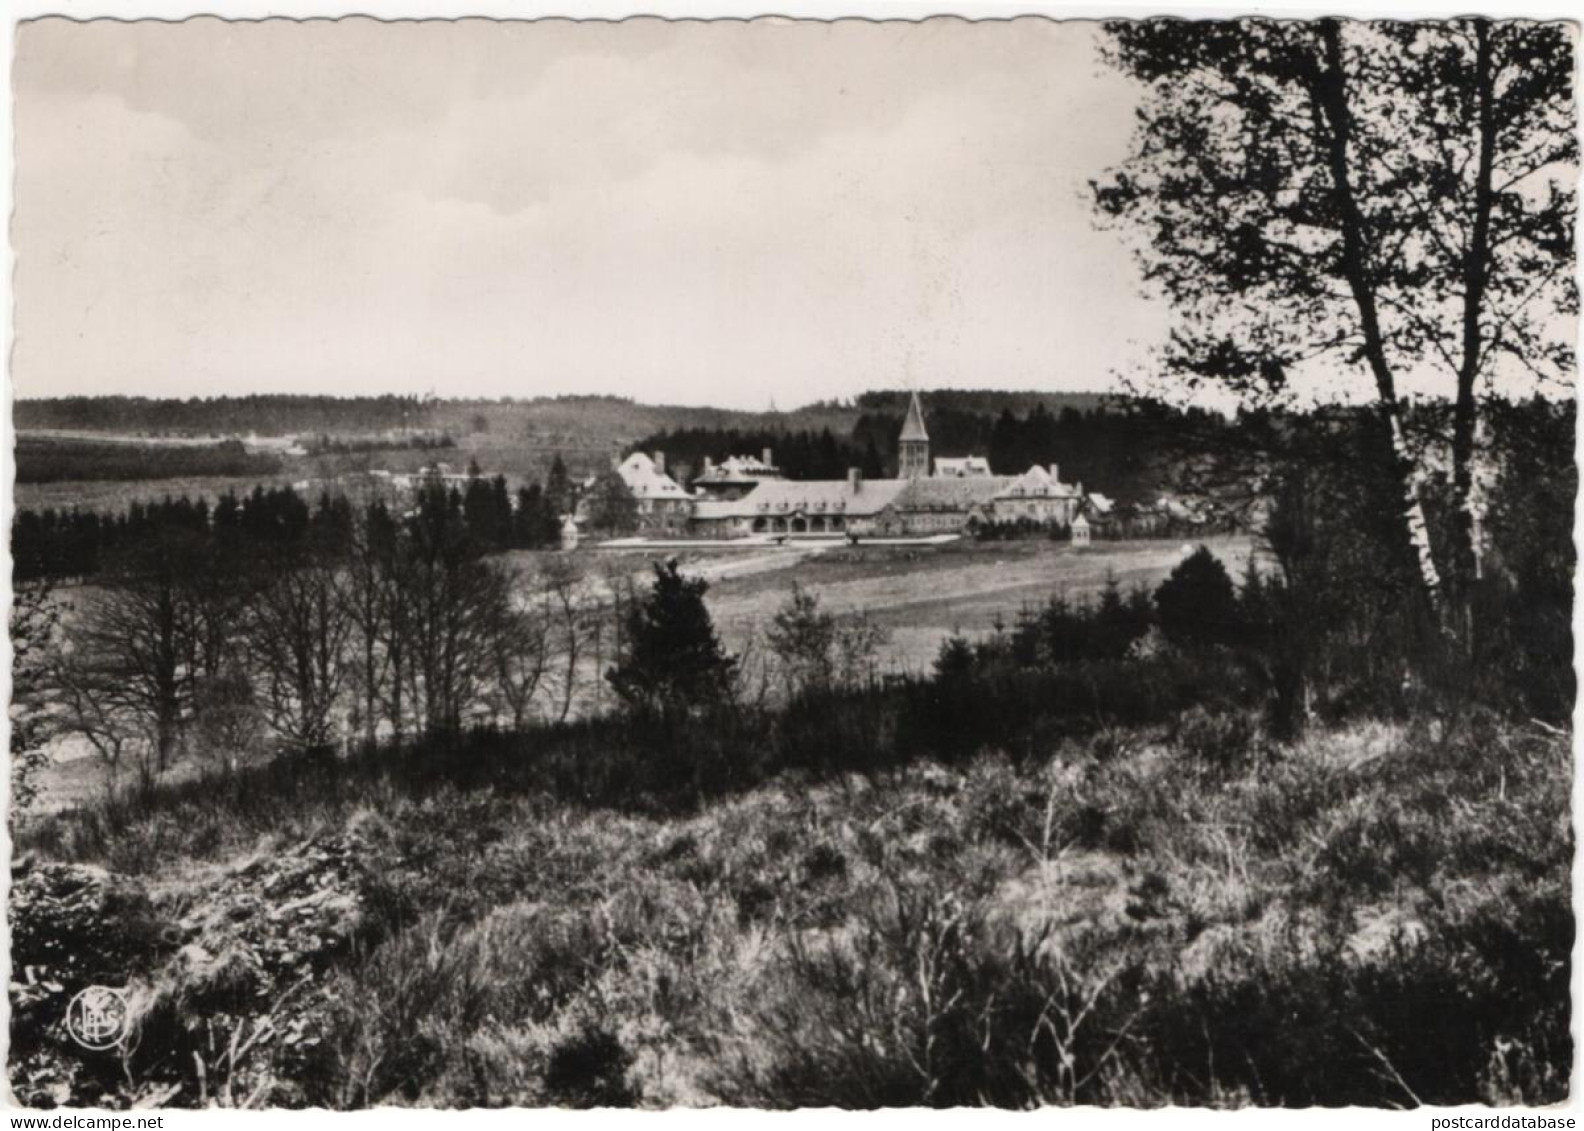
[1197, 603]
[674, 660]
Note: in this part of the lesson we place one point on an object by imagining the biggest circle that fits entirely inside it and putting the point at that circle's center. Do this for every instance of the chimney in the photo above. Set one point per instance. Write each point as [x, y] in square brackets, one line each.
[709, 464]
[769, 458]
[616, 461]
[659, 462]
[1079, 489]
[854, 480]
[1055, 470]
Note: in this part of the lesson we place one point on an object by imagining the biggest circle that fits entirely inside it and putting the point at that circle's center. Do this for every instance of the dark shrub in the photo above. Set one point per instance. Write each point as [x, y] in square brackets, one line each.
[589, 1069]
[824, 862]
[1197, 604]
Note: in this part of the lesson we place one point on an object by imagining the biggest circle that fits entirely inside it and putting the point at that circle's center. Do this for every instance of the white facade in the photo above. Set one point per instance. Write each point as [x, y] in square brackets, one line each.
[962, 467]
[660, 498]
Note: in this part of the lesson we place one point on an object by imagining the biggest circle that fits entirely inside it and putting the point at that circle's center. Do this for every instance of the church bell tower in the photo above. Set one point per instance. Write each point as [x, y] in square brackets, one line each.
[913, 445]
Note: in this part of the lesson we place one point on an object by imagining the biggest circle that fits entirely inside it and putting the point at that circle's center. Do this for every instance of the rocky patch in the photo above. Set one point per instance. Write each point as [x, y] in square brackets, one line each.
[227, 971]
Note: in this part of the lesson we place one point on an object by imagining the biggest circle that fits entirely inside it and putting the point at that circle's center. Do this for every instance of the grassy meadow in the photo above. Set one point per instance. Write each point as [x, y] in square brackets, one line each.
[1181, 913]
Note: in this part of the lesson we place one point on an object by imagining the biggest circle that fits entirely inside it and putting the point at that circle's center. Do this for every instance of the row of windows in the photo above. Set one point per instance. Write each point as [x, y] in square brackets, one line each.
[835, 524]
[816, 525]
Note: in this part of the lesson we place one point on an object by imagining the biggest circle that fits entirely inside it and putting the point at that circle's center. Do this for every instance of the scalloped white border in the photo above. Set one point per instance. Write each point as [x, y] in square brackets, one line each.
[786, 9]
[1358, 1119]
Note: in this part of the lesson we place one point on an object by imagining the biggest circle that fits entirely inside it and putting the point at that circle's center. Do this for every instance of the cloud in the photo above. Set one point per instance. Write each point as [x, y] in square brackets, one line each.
[694, 212]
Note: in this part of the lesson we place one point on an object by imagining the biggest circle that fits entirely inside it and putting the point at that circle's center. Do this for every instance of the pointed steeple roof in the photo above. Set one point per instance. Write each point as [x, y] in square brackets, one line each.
[913, 426]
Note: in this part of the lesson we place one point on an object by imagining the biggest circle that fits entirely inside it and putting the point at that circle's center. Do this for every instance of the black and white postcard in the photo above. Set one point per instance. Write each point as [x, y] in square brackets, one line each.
[792, 563]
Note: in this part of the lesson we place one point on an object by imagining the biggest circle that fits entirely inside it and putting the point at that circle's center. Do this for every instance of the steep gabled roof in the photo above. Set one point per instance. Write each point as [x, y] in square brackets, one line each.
[774, 498]
[1037, 483]
[951, 493]
[913, 426]
[646, 481]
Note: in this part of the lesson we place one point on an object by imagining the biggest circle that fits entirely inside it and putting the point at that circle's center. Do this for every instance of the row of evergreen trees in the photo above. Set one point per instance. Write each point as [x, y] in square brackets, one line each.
[67, 461]
[1119, 446]
[1196, 606]
[801, 454]
[79, 543]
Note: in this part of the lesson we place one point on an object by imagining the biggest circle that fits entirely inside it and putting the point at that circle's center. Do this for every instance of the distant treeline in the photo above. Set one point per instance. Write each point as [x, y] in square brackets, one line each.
[269, 415]
[60, 461]
[72, 544]
[1114, 449]
[986, 402]
[351, 445]
[801, 454]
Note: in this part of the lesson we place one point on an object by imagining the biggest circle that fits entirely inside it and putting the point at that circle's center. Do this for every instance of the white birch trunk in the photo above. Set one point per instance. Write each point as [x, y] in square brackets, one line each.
[1418, 528]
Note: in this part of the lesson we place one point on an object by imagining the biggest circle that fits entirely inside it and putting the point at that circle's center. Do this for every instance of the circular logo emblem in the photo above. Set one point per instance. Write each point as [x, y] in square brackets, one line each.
[97, 1018]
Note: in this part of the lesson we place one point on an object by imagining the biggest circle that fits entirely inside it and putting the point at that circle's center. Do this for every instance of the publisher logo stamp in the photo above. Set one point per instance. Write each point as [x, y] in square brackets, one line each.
[97, 1018]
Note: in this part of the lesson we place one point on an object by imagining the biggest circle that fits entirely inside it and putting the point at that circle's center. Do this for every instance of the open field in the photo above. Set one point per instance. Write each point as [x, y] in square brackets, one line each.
[924, 594]
[110, 496]
[920, 594]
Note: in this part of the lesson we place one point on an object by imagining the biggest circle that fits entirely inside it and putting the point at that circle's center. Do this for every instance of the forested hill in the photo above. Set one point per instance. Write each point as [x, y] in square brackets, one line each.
[1120, 445]
[597, 421]
[601, 420]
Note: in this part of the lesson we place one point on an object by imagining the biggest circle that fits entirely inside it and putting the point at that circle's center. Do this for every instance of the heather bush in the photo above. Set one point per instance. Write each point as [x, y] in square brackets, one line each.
[1244, 966]
[1218, 743]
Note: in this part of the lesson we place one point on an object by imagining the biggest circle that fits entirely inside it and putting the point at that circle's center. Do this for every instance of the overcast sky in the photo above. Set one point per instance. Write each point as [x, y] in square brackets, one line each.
[714, 213]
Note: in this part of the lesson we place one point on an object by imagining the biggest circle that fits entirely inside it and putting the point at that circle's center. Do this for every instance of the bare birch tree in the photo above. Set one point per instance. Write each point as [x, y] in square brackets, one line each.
[149, 634]
[453, 605]
[297, 631]
[94, 704]
[520, 655]
[364, 580]
[566, 595]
